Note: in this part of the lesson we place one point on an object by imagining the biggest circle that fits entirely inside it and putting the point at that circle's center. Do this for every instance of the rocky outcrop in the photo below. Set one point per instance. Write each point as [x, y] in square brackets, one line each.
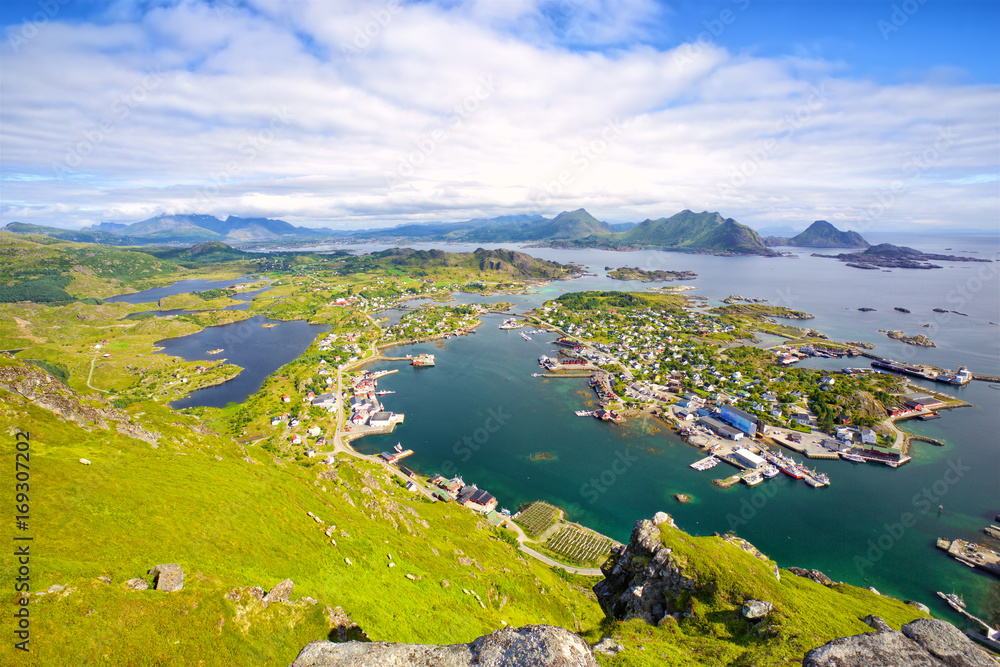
[815, 575]
[530, 646]
[923, 643]
[168, 577]
[280, 592]
[137, 584]
[644, 577]
[754, 609]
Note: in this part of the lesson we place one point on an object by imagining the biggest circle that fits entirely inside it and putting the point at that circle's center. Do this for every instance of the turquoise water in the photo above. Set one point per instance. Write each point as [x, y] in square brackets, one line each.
[609, 476]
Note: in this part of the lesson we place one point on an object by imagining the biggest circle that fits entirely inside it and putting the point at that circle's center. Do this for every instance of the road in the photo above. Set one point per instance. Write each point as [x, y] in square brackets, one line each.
[522, 538]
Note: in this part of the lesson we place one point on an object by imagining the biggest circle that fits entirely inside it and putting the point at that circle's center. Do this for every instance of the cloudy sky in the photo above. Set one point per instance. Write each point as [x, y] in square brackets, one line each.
[872, 115]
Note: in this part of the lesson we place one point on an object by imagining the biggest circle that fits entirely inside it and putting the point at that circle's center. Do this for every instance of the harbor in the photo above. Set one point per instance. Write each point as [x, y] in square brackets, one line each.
[971, 554]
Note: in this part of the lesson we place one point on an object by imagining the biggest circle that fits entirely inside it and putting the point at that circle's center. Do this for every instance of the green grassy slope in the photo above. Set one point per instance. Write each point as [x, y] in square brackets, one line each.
[230, 523]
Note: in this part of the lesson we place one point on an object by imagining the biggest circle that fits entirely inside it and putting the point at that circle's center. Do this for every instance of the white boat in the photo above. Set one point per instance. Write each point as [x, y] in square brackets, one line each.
[525, 336]
[851, 456]
[956, 601]
[398, 447]
[751, 477]
[584, 413]
[770, 471]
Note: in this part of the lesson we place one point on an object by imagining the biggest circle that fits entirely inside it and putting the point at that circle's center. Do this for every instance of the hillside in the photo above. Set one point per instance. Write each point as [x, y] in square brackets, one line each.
[821, 234]
[511, 262]
[695, 231]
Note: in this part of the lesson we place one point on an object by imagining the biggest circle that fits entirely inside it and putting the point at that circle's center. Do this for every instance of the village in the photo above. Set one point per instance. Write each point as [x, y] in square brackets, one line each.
[742, 405]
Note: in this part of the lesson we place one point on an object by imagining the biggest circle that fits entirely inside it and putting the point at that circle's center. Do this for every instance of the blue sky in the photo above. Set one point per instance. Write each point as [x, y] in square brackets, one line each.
[873, 115]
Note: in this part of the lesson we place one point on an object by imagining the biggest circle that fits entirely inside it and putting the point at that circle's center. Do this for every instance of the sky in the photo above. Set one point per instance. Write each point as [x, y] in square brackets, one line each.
[875, 116]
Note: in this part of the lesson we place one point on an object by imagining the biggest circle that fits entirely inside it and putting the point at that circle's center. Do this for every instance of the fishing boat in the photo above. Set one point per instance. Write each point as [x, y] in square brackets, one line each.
[398, 447]
[770, 471]
[851, 456]
[584, 413]
[384, 392]
[792, 470]
[751, 477]
[525, 336]
[956, 601]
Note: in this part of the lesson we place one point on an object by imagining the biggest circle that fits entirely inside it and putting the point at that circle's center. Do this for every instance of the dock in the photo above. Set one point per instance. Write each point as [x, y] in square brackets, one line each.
[705, 463]
[992, 531]
[971, 554]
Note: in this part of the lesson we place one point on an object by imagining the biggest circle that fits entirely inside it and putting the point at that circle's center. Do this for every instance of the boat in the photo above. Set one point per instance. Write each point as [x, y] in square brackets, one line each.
[524, 335]
[384, 392]
[770, 471]
[790, 469]
[851, 456]
[584, 413]
[398, 447]
[752, 477]
[956, 601]
[536, 375]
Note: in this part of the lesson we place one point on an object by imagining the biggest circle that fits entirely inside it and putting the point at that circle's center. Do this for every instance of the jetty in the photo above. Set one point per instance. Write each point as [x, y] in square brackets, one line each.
[706, 463]
[992, 531]
[971, 554]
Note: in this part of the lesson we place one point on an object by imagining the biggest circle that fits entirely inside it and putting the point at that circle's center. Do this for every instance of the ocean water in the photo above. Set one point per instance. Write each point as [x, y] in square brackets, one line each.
[479, 413]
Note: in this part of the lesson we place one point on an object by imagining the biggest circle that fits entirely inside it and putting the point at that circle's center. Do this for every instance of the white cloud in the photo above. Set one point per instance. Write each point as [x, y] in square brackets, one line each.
[367, 114]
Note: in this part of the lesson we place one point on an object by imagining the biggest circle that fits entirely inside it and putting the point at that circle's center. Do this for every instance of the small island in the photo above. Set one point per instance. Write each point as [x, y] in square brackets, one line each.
[888, 256]
[542, 456]
[762, 310]
[641, 275]
[919, 340]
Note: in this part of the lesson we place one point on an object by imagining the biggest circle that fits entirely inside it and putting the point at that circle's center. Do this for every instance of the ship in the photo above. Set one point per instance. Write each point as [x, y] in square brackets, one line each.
[791, 469]
[817, 479]
[525, 336]
[851, 456]
[751, 477]
[770, 471]
[384, 392]
[424, 360]
[956, 601]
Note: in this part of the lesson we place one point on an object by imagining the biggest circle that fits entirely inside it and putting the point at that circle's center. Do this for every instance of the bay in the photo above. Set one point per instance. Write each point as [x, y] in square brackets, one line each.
[609, 476]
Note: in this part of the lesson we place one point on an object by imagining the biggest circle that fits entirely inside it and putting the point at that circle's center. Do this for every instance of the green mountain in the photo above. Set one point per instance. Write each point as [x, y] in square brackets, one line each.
[695, 231]
[572, 225]
[81, 236]
[821, 234]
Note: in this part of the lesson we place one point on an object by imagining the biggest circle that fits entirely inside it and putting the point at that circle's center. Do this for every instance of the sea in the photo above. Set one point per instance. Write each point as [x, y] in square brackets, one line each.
[480, 414]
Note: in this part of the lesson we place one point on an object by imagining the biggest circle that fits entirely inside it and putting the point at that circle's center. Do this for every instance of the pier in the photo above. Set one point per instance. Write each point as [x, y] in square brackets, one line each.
[973, 555]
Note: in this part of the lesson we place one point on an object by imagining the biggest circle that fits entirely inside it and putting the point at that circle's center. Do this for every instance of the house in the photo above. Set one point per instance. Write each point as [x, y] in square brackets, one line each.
[286, 398]
[325, 400]
[477, 499]
[412, 486]
[844, 433]
[296, 439]
[380, 419]
[454, 485]
[868, 436]
[406, 471]
[314, 431]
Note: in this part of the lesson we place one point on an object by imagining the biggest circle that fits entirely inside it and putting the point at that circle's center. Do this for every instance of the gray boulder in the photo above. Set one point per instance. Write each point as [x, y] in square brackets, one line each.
[947, 643]
[137, 584]
[923, 643]
[169, 577]
[280, 592]
[530, 646]
[754, 609]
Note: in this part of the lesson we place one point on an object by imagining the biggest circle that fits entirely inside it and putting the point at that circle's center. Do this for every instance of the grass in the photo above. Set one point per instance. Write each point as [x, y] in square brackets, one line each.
[714, 632]
[579, 544]
[230, 523]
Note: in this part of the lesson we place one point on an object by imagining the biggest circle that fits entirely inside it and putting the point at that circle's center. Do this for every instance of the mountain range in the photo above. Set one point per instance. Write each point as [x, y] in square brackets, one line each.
[685, 231]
